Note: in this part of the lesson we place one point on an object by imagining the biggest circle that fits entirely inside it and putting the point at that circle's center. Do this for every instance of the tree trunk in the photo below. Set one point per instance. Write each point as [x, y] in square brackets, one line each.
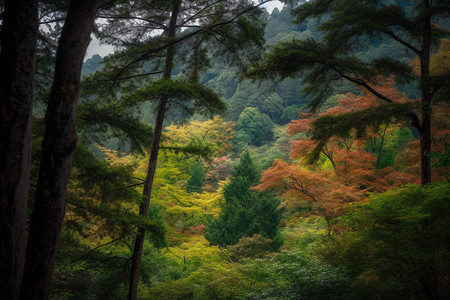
[143, 209]
[17, 68]
[425, 135]
[58, 146]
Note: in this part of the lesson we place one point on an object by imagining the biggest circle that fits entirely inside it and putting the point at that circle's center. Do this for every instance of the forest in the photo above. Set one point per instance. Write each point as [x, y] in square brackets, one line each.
[224, 150]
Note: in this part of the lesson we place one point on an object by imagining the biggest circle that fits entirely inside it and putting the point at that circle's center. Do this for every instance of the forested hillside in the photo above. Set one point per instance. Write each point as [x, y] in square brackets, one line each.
[224, 152]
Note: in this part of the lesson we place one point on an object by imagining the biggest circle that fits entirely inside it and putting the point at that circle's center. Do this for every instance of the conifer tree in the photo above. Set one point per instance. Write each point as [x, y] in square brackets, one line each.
[165, 37]
[19, 31]
[245, 212]
[58, 147]
[195, 182]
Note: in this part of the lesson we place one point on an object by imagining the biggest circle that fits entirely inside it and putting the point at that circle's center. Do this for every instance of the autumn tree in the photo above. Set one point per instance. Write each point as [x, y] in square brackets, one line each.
[344, 169]
[347, 28]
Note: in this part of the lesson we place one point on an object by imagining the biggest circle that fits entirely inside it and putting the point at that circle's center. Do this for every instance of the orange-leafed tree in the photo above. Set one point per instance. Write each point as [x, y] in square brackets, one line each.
[343, 167]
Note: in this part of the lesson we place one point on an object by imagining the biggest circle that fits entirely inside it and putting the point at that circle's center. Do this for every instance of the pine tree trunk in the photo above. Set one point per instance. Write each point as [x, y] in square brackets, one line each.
[58, 146]
[143, 209]
[425, 135]
[17, 69]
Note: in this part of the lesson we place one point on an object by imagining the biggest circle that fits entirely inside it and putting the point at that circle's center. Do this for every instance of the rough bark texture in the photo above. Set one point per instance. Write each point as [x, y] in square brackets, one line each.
[143, 209]
[58, 146]
[425, 136]
[17, 68]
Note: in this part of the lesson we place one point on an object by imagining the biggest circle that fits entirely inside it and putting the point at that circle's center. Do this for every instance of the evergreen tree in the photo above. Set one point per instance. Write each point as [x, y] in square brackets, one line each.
[195, 182]
[245, 212]
[59, 143]
[19, 31]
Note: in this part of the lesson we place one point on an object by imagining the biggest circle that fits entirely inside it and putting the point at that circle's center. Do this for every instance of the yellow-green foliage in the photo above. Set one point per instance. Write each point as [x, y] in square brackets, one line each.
[305, 233]
[195, 252]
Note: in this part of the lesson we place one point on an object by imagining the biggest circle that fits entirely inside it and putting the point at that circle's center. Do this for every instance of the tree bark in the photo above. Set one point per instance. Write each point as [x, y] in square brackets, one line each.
[58, 146]
[425, 135]
[143, 209]
[17, 69]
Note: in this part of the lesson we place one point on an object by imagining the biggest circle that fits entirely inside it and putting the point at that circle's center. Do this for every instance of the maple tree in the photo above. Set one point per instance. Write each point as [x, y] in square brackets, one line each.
[345, 167]
[346, 26]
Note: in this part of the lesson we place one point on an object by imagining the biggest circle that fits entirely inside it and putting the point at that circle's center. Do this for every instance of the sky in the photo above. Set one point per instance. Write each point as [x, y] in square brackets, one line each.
[103, 50]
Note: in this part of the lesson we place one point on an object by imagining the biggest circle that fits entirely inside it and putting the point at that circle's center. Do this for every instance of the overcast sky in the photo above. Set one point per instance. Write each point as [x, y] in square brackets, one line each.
[103, 50]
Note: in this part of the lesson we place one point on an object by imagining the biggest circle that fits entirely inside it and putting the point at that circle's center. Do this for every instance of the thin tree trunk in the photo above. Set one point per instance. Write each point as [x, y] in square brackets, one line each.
[58, 146]
[17, 68]
[143, 209]
[425, 136]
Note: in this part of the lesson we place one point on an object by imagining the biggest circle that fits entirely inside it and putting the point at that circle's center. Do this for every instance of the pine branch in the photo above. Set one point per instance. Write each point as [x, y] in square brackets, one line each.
[162, 26]
[184, 37]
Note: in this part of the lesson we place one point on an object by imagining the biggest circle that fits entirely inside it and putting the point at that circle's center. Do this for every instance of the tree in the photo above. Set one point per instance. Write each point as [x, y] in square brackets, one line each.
[213, 135]
[348, 26]
[255, 126]
[197, 176]
[19, 31]
[58, 147]
[245, 212]
[345, 168]
[230, 26]
[398, 241]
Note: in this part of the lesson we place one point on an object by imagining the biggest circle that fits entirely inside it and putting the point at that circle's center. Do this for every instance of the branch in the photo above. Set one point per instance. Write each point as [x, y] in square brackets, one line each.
[132, 185]
[52, 11]
[92, 250]
[133, 18]
[404, 43]
[199, 12]
[361, 82]
[134, 76]
[187, 36]
[53, 21]
[106, 260]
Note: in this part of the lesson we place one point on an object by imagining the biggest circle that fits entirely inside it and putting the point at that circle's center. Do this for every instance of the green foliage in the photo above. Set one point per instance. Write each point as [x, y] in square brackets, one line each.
[294, 275]
[245, 212]
[398, 242]
[91, 65]
[197, 176]
[290, 113]
[273, 105]
[255, 246]
[392, 146]
[202, 100]
[255, 126]
[98, 123]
